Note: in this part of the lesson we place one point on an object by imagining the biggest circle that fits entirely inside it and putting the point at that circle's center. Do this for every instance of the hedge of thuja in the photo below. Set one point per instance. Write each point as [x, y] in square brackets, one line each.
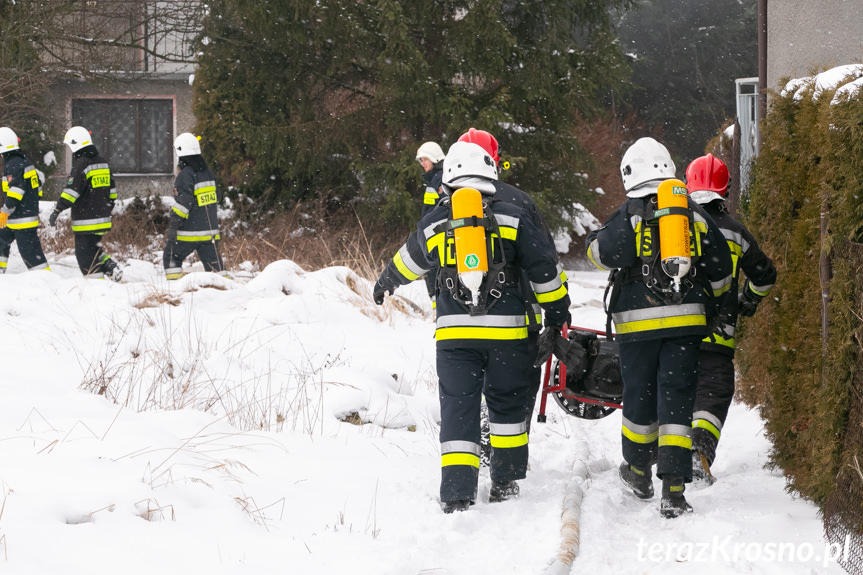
[811, 162]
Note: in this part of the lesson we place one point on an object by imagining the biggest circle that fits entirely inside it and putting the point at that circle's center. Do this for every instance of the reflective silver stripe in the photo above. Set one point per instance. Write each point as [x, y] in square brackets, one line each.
[481, 321]
[92, 167]
[181, 208]
[640, 429]
[460, 447]
[414, 267]
[659, 312]
[207, 184]
[721, 285]
[39, 267]
[675, 429]
[635, 220]
[429, 230]
[745, 245]
[71, 192]
[16, 189]
[507, 428]
[732, 236]
[197, 234]
[92, 222]
[508, 221]
[95, 276]
[760, 289]
[594, 255]
[707, 416]
[169, 271]
[547, 286]
[699, 218]
[17, 221]
[3, 260]
[7, 210]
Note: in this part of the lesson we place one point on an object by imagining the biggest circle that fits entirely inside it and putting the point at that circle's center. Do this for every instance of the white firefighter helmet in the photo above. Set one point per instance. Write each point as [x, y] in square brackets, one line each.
[646, 161]
[187, 144]
[468, 165]
[77, 137]
[430, 150]
[8, 140]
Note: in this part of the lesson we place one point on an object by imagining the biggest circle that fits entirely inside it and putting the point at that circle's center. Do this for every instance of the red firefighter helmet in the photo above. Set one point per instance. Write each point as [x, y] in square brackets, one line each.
[484, 140]
[707, 174]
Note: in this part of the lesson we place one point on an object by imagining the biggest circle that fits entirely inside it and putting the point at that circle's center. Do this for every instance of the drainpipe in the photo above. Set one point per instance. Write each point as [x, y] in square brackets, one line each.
[762, 68]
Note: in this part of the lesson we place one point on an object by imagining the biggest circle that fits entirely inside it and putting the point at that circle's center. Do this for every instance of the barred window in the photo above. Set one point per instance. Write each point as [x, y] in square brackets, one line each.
[135, 136]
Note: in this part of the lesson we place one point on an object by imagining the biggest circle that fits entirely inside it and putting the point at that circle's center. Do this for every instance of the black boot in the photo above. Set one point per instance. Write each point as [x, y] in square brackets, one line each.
[640, 481]
[673, 502]
[457, 505]
[112, 270]
[502, 490]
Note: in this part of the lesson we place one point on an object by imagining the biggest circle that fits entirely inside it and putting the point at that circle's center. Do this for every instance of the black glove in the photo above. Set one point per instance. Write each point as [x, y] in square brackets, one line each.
[173, 227]
[545, 344]
[571, 353]
[747, 303]
[379, 291]
[52, 221]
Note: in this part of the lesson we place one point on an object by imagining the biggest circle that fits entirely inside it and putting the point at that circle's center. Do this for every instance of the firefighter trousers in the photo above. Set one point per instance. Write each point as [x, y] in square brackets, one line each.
[29, 247]
[712, 400]
[92, 259]
[659, 383]
[177, 251]
[465, 374]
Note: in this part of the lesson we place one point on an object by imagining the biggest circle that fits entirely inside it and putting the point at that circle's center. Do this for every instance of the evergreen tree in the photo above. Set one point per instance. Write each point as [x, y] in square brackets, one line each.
[687, 54]
[298, 98]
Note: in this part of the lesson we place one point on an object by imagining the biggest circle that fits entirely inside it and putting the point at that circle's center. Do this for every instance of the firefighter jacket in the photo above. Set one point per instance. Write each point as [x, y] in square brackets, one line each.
[523, 247]
[90, 191]
[195, 204]
[747, 256]
[23, 190]
[433, 179]
[627, 241]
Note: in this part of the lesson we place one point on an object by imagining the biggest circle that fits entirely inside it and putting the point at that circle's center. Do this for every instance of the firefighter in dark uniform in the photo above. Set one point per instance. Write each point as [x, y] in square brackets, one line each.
[430, 156]
[481, 350]
[505, 192]
[19, 216]
[90, 192]
[707, 182]
[194, 225]
[658, 331]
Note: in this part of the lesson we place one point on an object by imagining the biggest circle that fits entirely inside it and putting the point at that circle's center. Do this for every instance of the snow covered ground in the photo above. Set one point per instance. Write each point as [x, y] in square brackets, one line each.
[197, 427]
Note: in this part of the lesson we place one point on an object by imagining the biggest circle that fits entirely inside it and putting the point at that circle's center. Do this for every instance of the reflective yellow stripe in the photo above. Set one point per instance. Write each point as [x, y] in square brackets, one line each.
[180, 213]
[430, 198]
[704, 424]
[508, 233]
[555, 295]
[639, 437]
[436, 242]
[33, 176]
[506, 441]
[99, 178]
[676, 441]
[173, 276]
[719, 340]
[660, 323]
[403, 269]
[448, 459]
[182, 238]
[496, 333]
[24, 226]
[13, 194]
[92, 227]
[68, 198]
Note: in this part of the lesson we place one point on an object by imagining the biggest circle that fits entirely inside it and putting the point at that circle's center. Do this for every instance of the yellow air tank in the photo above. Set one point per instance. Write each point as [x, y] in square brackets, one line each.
[673, 209]
[470, 250]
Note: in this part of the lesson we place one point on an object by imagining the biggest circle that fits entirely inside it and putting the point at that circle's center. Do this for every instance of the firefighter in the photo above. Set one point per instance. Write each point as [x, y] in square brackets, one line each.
[707, 183]
[505, 192]
[481, 342]
[90, 192]
[430, 156]
[194, 225]
[659, 322]
[19, 216]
